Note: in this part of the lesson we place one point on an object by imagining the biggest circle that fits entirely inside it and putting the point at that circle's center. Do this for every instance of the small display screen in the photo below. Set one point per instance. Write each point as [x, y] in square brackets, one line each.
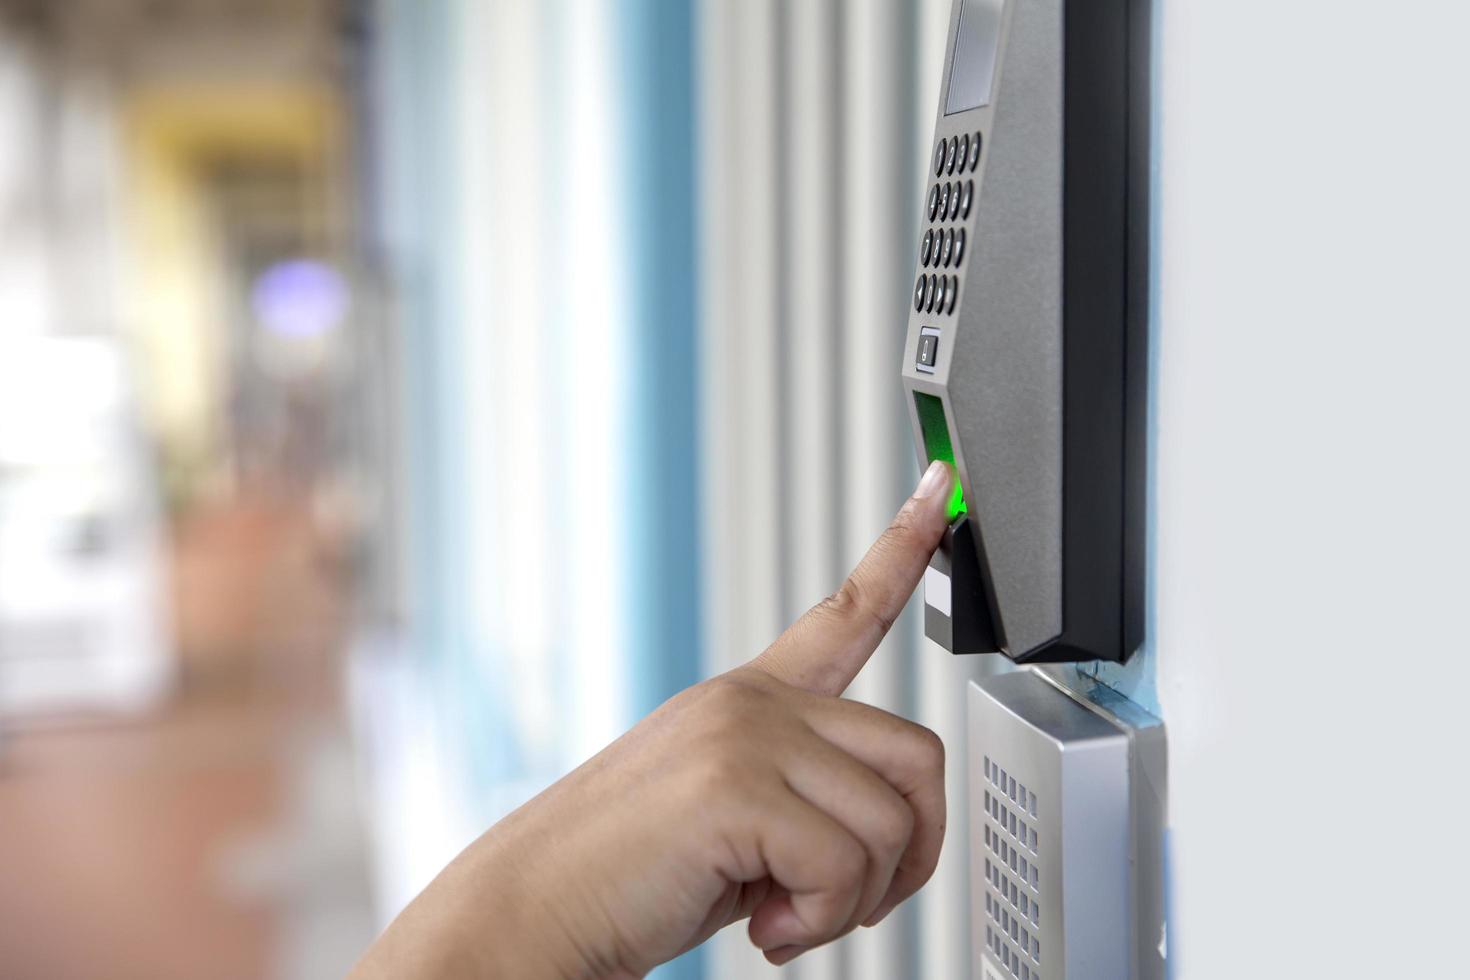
[975, 48]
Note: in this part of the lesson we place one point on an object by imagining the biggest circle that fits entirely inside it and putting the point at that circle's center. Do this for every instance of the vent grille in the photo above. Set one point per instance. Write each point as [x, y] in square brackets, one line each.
[1012, 873]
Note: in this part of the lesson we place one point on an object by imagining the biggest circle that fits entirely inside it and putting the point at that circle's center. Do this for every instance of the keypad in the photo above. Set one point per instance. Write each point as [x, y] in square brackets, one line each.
[951, 203]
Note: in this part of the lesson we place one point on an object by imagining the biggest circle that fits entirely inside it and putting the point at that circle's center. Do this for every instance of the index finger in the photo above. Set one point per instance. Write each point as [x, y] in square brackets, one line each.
[824, 650]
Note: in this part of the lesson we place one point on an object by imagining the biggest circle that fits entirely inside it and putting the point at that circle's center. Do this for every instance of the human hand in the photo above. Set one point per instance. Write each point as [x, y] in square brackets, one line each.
[759, 793]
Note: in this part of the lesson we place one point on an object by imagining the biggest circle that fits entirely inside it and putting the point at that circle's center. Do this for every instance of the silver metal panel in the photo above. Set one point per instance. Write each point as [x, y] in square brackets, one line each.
[1148, 767]
[1064, 870]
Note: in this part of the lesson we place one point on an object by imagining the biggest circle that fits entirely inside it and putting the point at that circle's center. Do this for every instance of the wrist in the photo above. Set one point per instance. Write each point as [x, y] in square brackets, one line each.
[528, 915]
[485, 915]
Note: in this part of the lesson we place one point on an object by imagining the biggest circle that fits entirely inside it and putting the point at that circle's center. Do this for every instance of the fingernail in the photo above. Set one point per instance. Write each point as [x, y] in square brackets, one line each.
[936, 480]
[784, 955]
[879, 914]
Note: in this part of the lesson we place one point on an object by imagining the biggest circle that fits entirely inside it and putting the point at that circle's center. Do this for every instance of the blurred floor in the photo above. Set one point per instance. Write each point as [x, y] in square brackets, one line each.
[220, 836]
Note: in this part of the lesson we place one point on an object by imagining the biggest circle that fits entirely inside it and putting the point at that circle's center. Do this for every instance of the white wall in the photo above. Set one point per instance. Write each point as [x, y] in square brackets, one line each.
[1313, 599]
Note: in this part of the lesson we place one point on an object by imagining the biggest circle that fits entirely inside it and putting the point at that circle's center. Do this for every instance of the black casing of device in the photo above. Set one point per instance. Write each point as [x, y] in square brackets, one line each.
[1030, 374]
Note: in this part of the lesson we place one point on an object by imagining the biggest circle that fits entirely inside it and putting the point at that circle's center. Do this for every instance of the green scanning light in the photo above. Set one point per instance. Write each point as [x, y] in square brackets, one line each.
[956, 501]
[935, 429]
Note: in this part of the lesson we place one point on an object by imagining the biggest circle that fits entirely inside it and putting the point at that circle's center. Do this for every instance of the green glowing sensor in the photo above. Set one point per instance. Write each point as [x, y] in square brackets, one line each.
[937, 445]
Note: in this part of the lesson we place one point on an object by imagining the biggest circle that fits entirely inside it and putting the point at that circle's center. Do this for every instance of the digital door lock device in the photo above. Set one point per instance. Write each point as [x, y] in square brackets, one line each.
[1025, 358]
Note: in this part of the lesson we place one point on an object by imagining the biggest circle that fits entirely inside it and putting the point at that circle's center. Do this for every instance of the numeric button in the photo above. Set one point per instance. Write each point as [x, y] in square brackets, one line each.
[954, 154]
[933, 293]
[964, 152]
[927, 251]
[944, 200]
[946, 251]
[939, 154]
[933, 202]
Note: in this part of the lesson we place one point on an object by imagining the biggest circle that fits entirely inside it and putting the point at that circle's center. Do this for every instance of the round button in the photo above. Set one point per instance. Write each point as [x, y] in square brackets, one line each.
[959, 246]
[964, 152]
[954, 294]
[933, 202]
[967, 197]
[928, 249]
[946, 251]
[933, 293]
[974, 152]
[954, 153]
[939, 154]
[921, 293]
[954, 202]
[939, 293]
[944, 199]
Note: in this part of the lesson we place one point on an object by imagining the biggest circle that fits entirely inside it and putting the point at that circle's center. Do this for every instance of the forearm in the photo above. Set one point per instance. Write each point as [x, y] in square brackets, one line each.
[488, 914]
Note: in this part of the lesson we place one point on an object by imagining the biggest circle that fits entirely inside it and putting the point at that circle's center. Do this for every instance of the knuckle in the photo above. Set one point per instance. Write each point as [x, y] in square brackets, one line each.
[847, 861]
[904, 524]
[895, 828]
[853, 869]
[840, 603]
[835, 906]
[927, 866]
[728, 744]
[923, 749]
[828, 916]
[720, 769]
[918, 869]
[853, 601]
[727, 700]
[904, 533]
[930, 749]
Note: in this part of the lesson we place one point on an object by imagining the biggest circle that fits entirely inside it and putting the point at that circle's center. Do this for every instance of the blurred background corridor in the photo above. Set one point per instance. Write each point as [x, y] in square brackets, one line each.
[397, 402]
[188, 356]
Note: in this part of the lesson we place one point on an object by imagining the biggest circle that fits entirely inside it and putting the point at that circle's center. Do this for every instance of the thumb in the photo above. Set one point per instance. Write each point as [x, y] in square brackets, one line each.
[825, 649]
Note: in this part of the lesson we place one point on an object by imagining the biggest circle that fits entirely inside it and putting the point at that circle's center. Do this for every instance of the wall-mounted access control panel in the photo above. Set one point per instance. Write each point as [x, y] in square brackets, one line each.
[1067, 797]
[1025, 357]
